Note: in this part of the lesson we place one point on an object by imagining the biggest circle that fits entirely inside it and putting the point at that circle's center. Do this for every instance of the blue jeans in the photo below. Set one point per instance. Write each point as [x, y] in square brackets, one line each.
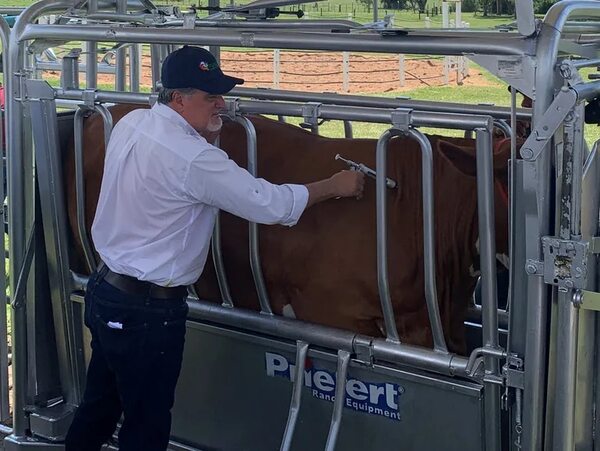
[137, 349]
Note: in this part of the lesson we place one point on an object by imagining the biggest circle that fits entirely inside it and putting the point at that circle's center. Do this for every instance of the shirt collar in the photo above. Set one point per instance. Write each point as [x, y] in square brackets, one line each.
[170, 114]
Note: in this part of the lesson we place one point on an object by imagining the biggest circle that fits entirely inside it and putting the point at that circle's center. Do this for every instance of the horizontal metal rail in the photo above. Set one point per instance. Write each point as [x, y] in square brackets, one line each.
[361, 114]
[493, 43]
[380, 102]
[327, 337]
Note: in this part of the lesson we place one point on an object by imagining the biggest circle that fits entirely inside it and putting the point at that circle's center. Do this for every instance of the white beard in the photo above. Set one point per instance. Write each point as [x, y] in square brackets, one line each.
[215, 124]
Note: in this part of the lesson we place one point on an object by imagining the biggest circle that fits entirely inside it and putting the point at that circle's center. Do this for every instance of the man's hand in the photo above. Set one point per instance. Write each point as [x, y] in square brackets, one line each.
[342, 184]
[348, 184]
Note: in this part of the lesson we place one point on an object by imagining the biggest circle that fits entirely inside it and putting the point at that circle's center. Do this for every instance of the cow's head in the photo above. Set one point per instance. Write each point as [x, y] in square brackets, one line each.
[463, 158]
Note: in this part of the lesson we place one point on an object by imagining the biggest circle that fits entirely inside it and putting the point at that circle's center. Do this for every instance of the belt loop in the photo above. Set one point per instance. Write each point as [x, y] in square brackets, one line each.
[102, 270]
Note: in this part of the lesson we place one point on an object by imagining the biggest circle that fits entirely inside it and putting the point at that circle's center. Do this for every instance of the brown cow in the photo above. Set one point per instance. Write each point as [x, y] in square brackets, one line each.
[324, 268]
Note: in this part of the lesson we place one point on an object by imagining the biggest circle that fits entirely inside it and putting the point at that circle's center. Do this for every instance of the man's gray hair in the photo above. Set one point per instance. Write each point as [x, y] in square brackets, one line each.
[165, 95]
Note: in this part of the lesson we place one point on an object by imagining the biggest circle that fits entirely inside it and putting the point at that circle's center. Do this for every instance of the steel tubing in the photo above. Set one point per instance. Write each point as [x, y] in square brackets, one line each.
[219, 264]
[16, 193]
[288, 435]
[121, 54]
[379, 102]
[327, 337]
[255, 266]
[80, 190]
[492, 43]
[489, 304]
[340, 398]
[382, 261]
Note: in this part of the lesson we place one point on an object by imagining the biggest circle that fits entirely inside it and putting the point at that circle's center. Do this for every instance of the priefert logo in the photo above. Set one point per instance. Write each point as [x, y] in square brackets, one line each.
[372, 398]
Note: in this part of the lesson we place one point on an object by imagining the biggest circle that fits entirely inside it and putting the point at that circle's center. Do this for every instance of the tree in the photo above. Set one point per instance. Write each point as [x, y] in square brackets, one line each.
[417, 5]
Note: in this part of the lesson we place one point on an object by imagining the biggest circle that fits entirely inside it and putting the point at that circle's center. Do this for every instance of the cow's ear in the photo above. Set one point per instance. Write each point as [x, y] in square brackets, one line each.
[461, 158]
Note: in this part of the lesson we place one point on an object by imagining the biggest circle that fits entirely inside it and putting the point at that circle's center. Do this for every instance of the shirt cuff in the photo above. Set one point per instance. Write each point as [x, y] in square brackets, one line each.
[300, 200]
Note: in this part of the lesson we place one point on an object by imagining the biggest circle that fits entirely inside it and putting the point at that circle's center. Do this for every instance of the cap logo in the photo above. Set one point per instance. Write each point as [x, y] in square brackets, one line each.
[205, 67]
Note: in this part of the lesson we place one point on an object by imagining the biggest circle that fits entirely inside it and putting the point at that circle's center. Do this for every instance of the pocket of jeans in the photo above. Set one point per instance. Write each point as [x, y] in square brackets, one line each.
[119, 319]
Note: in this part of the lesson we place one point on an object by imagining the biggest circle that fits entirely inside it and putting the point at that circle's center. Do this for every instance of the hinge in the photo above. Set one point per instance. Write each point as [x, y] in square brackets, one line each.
[513, 373]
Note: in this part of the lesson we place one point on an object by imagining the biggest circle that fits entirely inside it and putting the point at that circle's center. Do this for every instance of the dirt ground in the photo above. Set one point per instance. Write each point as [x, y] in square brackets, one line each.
[323, 72]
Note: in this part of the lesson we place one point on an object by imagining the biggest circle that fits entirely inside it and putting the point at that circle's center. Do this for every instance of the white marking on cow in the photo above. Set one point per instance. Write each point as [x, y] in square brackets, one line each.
[288, 311]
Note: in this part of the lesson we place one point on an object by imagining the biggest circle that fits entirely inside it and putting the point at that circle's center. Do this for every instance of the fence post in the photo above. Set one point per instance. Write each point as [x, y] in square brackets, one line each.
[276, 66]
[346, 71]
[401, 70]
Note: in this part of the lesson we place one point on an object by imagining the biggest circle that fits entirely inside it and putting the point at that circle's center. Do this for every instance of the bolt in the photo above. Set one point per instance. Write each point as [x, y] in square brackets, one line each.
[569, 283]
[530, 268]
[526, 153]
[570, 246]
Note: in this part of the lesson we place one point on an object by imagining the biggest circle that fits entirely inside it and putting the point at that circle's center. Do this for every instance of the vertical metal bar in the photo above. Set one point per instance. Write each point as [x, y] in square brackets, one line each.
[91, 49]
[155, 63]
[219, 264]
[567, 314]
[4, 390]
[439, 342]
[428, 238]
[13, 67]
[259, 281]
[134, 67]
[288, 435]
[382, 267]
[52, 203]
[217, 255]
[489, 319]
[348, 129]
[80, 190]
[121, 54]
[340, 399]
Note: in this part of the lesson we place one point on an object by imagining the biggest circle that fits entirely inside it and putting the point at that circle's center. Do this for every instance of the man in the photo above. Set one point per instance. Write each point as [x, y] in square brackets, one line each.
[163, 185]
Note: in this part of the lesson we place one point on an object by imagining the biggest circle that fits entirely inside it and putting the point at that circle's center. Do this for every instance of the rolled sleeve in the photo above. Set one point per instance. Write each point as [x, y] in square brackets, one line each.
[300, 200]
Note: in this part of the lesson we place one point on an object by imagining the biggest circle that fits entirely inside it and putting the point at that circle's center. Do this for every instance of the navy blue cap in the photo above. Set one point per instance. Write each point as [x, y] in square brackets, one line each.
[195, 67]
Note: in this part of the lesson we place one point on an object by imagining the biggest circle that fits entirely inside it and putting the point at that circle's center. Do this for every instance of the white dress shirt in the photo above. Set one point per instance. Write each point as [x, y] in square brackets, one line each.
[163, 185]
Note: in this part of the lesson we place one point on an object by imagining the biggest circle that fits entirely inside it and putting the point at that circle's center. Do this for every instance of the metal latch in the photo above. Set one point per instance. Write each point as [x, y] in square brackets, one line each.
[231, 107]
[565, 262]
[513, 373]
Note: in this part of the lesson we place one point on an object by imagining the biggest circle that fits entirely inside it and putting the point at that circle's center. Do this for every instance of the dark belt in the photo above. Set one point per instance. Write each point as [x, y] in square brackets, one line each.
[135, 287]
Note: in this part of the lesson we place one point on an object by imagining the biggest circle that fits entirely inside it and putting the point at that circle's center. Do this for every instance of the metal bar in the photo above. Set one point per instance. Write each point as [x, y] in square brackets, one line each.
[4, 390]
[340, 399]
[327, 337]
[496, 112]
[155, 62]
[569, 214]
[219, 264]
[43, 109]
[439, 342]
[121, 54]
[484, 43]
[90, 258]
[382, 260]
[16, 193]
[487, 246]
[288, 435]
[255, 266]
[134, 67]
[360, 114]
[348, 129]
[91, 49]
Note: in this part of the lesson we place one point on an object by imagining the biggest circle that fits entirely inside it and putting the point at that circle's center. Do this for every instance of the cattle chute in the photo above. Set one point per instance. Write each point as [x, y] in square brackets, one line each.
[539, 247]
